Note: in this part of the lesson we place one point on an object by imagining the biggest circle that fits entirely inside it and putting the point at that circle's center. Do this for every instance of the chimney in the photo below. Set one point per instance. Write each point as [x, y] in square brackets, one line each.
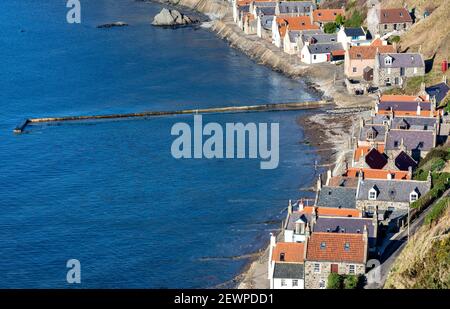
[409, 172]
[313, 217]
[300, 205]
[375, 222]
[273, 240]
[361, 174]
[444, 79]
[329, 175]
[319, 183]
[389, 176]
[366, 241]
[290, 207]
[277, 8]
[418, 109]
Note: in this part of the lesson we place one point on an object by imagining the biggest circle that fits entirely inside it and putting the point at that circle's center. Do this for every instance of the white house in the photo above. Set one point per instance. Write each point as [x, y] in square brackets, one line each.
[323, 52]
[352, 37]
[286, 265]
[290, 41]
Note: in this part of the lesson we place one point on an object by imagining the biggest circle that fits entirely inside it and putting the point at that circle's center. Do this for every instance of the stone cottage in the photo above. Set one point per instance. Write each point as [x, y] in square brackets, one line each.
[392, 69]
[340, 253]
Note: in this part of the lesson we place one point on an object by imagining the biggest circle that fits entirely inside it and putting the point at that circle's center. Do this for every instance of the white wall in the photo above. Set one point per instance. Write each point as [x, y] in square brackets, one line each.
[308, 58]
[276, 284]
[289, 236]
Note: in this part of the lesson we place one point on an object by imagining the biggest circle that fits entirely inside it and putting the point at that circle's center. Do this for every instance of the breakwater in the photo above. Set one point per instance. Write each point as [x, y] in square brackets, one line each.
[229, 109]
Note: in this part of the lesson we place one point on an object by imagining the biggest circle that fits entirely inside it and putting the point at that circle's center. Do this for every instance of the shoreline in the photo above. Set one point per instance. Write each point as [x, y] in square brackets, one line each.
[327, 133]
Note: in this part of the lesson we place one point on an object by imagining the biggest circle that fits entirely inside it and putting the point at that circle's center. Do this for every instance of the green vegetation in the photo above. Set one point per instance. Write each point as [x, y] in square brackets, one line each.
[441, 182]
[394, 39]
[355, 20]
[433, 162]
[433, 271]
[330, 28]
[437, 211]
[336, 281]
[340, 20]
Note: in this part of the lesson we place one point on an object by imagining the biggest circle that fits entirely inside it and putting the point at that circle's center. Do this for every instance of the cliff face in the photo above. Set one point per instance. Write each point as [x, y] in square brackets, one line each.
[425, 261]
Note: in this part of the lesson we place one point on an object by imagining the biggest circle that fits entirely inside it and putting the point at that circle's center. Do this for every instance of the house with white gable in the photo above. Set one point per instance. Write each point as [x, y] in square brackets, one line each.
[352, 37]
[324, 52]
[286, 265]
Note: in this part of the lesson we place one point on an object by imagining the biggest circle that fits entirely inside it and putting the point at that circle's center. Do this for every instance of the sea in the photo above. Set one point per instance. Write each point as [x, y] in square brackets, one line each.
[109, 194]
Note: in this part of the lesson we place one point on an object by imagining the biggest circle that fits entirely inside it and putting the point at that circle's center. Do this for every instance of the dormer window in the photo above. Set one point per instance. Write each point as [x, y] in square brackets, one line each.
[323, 245]
[413, 196]
[388, 60]
[320, 14]
[372, 194]
[347, 246]
[282, 257]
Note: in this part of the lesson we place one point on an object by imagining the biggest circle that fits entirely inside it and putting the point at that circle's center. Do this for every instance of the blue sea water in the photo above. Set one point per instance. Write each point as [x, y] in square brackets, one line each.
[109, 193]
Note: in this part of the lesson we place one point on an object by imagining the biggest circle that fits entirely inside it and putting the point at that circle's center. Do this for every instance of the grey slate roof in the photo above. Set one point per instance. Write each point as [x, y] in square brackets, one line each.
[337, 197]
[413, 123]
[439, 91]
[288, 271]
[266, 21]
[267, 11]
[243, 8]
[301, 7]
[405, 60]
[403, 106]
[379, 131]
[293, 34]
[354, 32]
[375, 159]
[293, 217]
[392, 190]
[345, 225]
[324, 48]
[319, 38]
[412, 139]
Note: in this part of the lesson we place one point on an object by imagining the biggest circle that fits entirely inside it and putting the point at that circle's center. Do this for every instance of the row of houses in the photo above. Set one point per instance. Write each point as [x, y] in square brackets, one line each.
[341, 228]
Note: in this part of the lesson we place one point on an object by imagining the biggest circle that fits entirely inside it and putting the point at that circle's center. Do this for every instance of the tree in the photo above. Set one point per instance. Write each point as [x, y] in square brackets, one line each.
[330, 27]
[351, 282]
[355, 20]
[340, 20]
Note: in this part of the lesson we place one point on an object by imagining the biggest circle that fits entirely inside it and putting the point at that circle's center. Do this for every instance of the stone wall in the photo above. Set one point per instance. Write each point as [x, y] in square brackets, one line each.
[312, 279]
[381, 74]
[367, 205]
[386, 28]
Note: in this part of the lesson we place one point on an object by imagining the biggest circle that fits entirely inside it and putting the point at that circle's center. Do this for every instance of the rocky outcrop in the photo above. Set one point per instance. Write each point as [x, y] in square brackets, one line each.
[172, 18]
[115, 24]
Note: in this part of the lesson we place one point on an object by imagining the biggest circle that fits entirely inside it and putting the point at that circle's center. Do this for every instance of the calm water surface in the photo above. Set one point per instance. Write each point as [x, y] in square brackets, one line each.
[109, 193]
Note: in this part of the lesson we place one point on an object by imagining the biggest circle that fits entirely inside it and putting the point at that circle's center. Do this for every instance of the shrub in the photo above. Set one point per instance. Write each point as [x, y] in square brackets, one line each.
[330, 28]
[394, 39]
[437, 211]
[335, 281]
[340, 20]
[351, 282]
[355, 20]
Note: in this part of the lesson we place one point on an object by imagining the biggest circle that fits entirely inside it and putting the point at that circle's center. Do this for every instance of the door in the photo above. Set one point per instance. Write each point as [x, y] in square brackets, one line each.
[334, 268]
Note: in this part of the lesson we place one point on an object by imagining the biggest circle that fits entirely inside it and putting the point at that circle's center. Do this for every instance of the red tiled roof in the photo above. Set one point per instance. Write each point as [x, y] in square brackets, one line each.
[293, 252]
[329, 211]
[402, 98]
[390, 16]
[343, 181]
[327, 15]
[363, 150]
[336, 247]
[369, 52]
[294, 23]
[338, 52]
[376, 174]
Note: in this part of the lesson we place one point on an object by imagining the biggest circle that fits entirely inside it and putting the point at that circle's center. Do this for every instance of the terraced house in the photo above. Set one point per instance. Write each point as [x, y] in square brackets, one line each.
[392, 69]
[341, 253]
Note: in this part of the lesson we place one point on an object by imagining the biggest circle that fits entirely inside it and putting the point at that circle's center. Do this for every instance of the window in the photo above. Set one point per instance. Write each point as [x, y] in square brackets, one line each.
[294, 282]
[283, 282]
[404, 26]
[388, 61]
[282, 257]
[389, 70]
[316, 268]
[347, 246]
[413, 196]
[385, 27]
[321, 284]
[354, 69]
[314, 57]
[415, 70]
[372, 194]
[323, 246]
[351, 269]
[395, 143]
